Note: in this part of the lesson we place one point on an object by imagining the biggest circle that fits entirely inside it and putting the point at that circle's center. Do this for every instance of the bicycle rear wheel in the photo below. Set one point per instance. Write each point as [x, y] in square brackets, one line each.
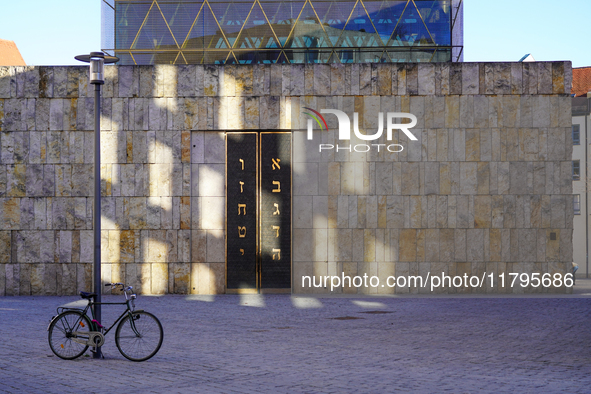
[142, 340]
[63, 331]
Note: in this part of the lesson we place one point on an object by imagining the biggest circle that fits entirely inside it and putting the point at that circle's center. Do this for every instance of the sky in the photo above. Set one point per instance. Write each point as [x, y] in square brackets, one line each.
[52, 32]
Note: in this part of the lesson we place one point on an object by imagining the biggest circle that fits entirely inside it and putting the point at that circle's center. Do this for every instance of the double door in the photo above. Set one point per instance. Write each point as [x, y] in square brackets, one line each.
[258, 212]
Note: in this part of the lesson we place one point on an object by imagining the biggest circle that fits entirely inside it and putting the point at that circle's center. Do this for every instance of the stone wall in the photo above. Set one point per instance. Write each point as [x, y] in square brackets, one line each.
[487, 188]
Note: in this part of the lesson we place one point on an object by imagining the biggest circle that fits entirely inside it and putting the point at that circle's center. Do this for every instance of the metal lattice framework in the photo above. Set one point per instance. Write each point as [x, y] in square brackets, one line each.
[289, 31]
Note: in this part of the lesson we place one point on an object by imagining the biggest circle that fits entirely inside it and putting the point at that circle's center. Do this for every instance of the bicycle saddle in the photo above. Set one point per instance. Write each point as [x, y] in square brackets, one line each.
[86, 295]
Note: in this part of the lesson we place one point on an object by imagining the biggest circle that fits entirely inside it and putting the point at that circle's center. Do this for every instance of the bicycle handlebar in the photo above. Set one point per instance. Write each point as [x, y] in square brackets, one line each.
[114, 284]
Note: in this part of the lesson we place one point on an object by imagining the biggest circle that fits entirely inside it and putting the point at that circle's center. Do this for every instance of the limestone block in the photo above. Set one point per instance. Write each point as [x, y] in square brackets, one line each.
[7, 80]
[337, 79]
[511, 111]
[502, 77]
[483, 178]
[475, 245]
[482, 211]
[322, 74]
[468, 178]
[66, 279]
[401, 77]
[408, 245]
[470, 78]
[365, 76]
[426, 79]
[16, 178]
[410, 175]
[544, 77]
[516, 78]
[412, 79]
[503, 178]
[84, 277]
[385, 82]
[525, 78]
[568, 76]
[558, 86]
[129, 79]
[455, 79]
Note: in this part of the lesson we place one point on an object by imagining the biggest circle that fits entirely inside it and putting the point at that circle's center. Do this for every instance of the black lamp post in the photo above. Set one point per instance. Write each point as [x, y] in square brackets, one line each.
[97, 62]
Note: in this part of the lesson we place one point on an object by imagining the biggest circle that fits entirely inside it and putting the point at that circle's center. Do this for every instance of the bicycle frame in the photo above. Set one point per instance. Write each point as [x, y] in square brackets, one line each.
[128, 311]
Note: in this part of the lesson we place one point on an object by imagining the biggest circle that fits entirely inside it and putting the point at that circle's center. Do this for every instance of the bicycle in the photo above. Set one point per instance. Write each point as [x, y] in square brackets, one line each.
[138, 335]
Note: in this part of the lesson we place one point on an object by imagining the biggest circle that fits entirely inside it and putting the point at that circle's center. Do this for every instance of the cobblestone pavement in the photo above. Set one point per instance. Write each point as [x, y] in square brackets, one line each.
[283, 344]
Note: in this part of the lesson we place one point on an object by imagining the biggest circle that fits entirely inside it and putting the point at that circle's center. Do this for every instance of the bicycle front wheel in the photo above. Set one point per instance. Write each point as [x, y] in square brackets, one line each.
[66, 332]
[139, 338]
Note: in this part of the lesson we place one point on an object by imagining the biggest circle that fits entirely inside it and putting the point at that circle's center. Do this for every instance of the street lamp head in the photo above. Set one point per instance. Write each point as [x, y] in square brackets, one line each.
[97, 61]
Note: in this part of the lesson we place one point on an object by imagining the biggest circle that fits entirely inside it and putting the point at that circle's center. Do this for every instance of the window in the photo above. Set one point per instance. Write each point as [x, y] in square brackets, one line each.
[576, 134]
[576, 170]
[577, 204]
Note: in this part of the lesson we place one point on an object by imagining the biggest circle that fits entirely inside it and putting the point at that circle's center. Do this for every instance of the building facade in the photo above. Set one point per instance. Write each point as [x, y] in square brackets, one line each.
[218, 179]
[580, 137]
[145, 32]
[581, 110]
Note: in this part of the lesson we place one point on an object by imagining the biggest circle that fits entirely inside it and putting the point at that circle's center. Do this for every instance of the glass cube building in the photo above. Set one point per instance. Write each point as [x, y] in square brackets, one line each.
[282, 31]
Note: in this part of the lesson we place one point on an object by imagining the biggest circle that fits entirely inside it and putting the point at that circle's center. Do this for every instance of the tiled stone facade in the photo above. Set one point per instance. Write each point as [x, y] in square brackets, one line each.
[486, 189]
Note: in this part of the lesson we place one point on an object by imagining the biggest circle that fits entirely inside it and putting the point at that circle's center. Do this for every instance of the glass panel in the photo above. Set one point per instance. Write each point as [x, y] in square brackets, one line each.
[304, 56]
[193, 57]
[283, 58]
[161, 57]
[180, 17]
[128, 19]
[385, 16]
[149, 58]
[437, 20]
[256, 57]
[359, 31]
[256, 33]
[308, 32]
[282, 16]
[125, 59]
[231, 16]
[411, 29]
[576, 170]
[215, 57]
[334, 16]
[576, 134]
[154, 33]
[206, 32]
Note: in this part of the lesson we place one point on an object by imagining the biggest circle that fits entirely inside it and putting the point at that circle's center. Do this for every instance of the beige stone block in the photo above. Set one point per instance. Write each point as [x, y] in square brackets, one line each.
[251, 113]
[483, 178]
[468, 178]
[482, 211]
[385, 271]
[181, 274]
[144, 272]
[369, 245]
[408, 245]
[159, 278]
[84, 277]
[206, 278]
[37, 279]
[445, 181]
[426, 79]
[337, 79]
[472, 145]
[300, 284]
[464, 268]
[475, 245]
[452, 112]
[216, 246]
